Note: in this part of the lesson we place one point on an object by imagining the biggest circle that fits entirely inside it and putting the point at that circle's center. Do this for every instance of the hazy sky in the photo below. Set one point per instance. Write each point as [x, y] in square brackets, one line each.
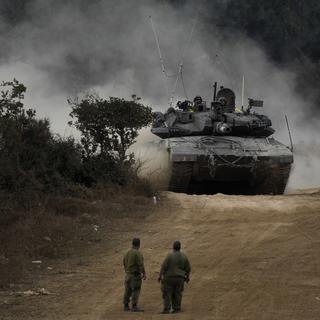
[62, 48]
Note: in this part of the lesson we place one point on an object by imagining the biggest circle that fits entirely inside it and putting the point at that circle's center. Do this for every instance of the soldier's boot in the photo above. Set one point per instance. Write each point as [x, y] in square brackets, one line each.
[176, 310]
[126, 307]
[135, 308]
[165, 311]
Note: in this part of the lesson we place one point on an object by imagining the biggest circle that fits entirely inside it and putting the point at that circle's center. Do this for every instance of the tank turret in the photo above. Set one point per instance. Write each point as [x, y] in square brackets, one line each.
[189, 119]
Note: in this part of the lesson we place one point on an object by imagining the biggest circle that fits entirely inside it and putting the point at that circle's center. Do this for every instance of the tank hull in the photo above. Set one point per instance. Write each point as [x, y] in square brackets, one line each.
[239, 164]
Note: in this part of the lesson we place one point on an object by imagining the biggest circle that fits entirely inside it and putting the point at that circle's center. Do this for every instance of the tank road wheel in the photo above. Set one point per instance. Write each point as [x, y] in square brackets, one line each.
[275, 179]
[181, 173]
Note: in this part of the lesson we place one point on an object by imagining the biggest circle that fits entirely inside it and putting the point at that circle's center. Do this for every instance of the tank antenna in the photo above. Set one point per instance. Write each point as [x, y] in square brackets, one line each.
[242, 92]
[290, 137]
[180, 67]
[215, 91]
[163, 69]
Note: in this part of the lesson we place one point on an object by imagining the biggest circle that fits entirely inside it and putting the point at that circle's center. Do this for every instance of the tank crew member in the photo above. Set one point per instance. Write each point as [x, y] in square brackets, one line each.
[185, 105]
[135, 272]
[198, 104]
[174, 272]
[197, 99]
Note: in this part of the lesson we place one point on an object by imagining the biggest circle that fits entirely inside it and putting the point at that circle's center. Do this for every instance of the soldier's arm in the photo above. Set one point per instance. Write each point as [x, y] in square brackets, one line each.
[164, 268]
[165, 265]
[124, 262]
[187, 269]
[141, 265]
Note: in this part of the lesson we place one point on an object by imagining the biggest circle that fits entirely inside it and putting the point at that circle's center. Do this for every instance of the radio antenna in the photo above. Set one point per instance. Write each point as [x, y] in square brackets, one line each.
[290, 137]
[242, 92]
[163, 69]
[180, 67]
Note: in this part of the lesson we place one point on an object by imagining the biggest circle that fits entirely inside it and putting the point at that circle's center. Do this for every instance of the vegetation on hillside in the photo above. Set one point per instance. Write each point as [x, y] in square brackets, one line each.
[54, 191]
[33, 160]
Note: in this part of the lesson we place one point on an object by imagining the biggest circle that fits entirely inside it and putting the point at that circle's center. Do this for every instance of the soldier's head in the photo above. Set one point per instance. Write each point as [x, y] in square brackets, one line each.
[177, 245]
[197, 99]
[136, 243]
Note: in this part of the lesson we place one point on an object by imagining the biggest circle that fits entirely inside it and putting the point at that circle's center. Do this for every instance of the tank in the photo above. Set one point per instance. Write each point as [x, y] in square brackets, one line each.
[221, 148]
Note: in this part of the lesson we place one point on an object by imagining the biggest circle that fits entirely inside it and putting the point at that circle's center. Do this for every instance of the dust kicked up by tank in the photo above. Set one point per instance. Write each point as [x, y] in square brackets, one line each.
[219, 147]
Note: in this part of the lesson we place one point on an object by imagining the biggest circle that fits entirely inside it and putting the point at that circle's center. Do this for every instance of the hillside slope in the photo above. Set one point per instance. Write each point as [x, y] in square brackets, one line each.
[253, 258]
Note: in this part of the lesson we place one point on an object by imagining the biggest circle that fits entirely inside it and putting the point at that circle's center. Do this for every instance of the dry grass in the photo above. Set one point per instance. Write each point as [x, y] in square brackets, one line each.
[60, 226]
[38, 234]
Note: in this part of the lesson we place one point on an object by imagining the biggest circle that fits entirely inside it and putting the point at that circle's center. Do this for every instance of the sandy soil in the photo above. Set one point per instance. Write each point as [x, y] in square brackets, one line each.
[253, 257]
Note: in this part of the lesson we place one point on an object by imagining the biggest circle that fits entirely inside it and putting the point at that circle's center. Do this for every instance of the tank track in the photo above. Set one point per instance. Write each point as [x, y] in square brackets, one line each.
[274, 179]
[271, 178]
[181, 173]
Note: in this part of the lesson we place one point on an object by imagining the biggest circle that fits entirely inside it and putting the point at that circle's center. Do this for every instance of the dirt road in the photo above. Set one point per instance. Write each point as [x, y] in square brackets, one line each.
[253, 258]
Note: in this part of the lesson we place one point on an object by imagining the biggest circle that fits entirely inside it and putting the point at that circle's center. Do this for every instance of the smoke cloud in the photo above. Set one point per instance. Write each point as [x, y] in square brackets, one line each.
[60, 49]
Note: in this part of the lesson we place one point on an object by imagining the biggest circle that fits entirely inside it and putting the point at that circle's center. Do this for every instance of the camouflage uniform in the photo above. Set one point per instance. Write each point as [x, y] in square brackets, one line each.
[134, 267]
[174, 271]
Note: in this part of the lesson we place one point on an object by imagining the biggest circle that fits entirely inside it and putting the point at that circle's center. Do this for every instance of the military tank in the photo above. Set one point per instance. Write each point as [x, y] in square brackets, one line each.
[221, 148]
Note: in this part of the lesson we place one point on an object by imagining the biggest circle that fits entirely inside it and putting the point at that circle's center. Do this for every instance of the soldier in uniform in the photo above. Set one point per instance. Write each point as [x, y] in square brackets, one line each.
[198, 104]
[174, 272]
[135, 272]
[185, 106]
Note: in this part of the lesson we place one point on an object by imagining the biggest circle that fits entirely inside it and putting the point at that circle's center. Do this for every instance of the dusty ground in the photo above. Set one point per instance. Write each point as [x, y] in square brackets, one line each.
[253, 258]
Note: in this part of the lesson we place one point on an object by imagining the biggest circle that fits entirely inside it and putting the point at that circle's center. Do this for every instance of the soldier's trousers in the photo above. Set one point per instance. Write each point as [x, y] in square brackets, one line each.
[172, 288]
[132, 285]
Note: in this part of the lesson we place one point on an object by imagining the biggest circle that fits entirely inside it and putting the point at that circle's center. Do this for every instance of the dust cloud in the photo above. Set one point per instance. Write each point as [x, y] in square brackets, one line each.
[60, 49]
[152, 159]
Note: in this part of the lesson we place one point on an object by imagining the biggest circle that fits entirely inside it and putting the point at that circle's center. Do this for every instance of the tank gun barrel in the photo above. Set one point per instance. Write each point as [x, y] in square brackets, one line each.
[222, 128]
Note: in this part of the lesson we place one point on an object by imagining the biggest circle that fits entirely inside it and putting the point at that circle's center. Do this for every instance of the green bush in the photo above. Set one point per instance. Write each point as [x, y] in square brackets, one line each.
[33, 161]
[108, 128]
